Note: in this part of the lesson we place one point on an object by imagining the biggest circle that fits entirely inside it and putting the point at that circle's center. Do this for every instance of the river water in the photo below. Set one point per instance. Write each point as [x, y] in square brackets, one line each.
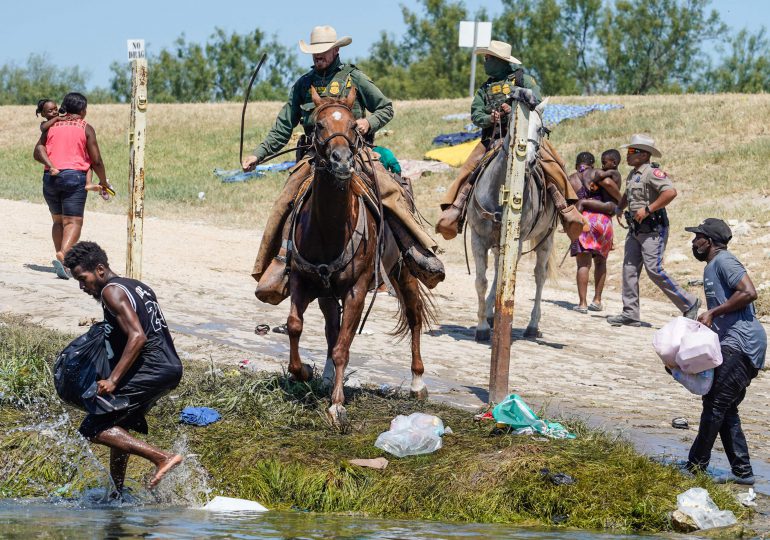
[41, 519]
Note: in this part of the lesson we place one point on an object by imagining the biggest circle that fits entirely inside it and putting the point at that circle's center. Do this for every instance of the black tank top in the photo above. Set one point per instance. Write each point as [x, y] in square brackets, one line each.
[158, 351]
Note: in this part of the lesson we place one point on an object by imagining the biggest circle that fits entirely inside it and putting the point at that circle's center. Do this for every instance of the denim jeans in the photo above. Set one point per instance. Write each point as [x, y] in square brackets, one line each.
[720, 415]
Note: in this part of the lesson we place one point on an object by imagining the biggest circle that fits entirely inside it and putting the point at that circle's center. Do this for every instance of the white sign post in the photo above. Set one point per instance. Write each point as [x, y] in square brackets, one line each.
[135, 49]
[474, 34]
[136, 143]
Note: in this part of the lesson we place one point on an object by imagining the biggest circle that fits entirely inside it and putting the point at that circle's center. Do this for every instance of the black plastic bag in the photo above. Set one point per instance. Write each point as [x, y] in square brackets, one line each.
[78, 367]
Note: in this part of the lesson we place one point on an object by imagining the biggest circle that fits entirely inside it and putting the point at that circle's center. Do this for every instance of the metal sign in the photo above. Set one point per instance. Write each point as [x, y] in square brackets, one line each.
[135, 49]
[475, 33]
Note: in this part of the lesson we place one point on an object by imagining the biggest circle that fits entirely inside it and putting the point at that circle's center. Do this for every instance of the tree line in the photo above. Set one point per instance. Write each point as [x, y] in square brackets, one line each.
[569, 46]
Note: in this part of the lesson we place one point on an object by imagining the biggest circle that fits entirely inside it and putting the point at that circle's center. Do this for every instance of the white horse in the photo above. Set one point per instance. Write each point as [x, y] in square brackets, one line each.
[538, 219]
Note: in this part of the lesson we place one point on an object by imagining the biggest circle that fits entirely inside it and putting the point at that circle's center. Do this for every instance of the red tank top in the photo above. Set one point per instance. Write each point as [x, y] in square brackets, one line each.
[66, 145]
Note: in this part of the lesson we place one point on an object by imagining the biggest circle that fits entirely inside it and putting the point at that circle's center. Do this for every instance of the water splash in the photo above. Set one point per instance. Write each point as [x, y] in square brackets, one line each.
[188, 484]
[48, 457]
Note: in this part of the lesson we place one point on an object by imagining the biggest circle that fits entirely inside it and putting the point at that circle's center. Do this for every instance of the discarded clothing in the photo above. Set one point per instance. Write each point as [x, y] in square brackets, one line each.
[513, 412]
[388, 159]
[414, 168]
[237, 175]
[199, 416]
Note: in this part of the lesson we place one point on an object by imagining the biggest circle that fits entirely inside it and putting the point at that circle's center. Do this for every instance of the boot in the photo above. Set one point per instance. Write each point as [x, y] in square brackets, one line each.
[422, 263]
[273, 287]
[449, 222]
[573, 221]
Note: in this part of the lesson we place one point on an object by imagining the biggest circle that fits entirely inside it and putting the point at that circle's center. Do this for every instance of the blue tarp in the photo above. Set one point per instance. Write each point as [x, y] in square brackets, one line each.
[460, 137]
[555, 114]
[237, 175]
[552, 115]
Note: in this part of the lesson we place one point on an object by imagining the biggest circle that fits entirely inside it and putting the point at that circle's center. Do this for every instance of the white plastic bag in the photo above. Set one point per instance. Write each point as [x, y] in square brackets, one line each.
[697, 383]
[699, 350]
[697, 504]
[666, 341]
[411, 435]
[229, 504]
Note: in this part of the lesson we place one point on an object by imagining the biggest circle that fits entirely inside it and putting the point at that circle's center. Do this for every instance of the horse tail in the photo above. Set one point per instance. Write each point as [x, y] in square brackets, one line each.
[428, 310]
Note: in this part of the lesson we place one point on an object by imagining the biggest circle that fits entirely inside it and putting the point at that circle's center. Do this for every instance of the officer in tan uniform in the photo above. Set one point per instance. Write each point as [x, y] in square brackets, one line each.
[332, 78]
[648, 191]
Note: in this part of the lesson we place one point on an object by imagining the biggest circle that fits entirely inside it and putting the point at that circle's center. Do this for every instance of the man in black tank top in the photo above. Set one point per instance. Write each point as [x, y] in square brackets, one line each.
[145, 364]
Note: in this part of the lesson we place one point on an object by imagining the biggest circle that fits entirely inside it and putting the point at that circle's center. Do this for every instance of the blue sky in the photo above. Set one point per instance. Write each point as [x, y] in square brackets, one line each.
[97, 32]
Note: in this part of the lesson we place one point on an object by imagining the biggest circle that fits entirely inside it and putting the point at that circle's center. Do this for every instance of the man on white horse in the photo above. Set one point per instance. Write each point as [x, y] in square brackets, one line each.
[490, 110]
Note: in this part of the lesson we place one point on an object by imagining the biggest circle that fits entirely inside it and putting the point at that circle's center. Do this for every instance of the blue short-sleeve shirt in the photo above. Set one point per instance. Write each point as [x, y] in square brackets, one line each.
[739, 330]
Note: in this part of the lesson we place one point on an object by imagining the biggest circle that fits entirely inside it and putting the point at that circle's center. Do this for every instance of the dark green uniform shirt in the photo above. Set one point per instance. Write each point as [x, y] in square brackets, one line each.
[336, 81]
[493, 92]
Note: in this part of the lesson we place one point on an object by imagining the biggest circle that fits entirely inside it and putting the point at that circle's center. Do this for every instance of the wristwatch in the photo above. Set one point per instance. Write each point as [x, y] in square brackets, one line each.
[647, 209]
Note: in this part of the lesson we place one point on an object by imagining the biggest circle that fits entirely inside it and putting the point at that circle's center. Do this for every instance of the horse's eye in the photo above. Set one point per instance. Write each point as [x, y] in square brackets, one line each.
[319, 126]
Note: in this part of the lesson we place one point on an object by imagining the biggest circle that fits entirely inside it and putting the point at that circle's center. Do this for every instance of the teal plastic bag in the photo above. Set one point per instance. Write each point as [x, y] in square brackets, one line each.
[513, 411]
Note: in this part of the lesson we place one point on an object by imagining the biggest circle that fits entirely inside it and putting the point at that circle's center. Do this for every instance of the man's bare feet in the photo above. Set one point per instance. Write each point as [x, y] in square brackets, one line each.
[164, 468]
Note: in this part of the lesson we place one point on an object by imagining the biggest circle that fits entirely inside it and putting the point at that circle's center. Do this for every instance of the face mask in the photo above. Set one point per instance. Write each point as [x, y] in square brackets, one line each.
[701, 256]
[496, 68]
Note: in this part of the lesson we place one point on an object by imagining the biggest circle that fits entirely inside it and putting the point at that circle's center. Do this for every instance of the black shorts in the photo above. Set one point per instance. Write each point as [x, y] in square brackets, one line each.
[143, 388]
[65, 193]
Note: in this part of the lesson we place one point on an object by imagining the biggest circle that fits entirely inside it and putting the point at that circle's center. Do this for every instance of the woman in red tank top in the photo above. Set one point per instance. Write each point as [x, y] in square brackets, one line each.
[68, 149]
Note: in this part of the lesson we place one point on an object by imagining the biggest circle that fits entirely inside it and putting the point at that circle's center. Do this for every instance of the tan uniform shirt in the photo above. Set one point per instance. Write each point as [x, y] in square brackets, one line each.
[644, 185]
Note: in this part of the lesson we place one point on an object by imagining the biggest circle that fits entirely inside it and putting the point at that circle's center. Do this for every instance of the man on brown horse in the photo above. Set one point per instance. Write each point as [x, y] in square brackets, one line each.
[490, 110]
[331, 78]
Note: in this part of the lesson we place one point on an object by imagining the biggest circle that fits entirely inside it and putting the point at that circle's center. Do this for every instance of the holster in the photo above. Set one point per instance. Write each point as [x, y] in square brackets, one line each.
[652, 223]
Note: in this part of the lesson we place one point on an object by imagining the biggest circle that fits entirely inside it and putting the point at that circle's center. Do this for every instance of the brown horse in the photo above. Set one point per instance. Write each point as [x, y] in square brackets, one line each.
[335, 237]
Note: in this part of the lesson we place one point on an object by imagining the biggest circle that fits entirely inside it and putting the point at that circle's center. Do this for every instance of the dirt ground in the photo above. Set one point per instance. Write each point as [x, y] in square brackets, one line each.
[580, 367]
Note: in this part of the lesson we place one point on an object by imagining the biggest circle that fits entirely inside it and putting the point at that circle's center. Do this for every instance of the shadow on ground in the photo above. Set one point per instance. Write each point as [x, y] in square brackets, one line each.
[39, 268]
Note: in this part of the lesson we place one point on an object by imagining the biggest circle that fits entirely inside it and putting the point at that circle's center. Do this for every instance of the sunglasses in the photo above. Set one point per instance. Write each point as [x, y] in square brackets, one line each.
[632, 151]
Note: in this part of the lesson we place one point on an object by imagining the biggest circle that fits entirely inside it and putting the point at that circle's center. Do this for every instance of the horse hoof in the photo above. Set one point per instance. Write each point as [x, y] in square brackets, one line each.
[532, 332]
[419, 395]
[338, 415]
[304, 375]
[482, 335]
[307, 372]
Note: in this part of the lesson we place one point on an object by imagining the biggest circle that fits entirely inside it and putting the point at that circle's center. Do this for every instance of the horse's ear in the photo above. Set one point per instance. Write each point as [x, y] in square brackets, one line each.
[314, 96]
[351, 98]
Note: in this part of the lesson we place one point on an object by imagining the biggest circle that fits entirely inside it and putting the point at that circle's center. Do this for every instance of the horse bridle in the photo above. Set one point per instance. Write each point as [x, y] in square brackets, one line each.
[318, 144]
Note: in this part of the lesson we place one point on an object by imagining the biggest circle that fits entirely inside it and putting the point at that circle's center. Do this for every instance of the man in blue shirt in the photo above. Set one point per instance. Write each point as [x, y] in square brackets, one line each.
[729, 297]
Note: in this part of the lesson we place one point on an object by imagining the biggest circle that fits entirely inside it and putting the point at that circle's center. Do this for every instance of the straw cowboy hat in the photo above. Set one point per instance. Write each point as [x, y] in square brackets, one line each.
[499, 49]
[643, 142]
[322, 39]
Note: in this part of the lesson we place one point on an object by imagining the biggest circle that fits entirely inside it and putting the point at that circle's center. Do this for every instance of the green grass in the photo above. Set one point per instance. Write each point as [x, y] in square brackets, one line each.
[712, 145]
[275, 445]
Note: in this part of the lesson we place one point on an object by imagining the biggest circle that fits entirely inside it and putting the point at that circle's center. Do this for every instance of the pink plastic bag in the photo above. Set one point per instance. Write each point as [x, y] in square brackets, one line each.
[667, 340]
[699, 350]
